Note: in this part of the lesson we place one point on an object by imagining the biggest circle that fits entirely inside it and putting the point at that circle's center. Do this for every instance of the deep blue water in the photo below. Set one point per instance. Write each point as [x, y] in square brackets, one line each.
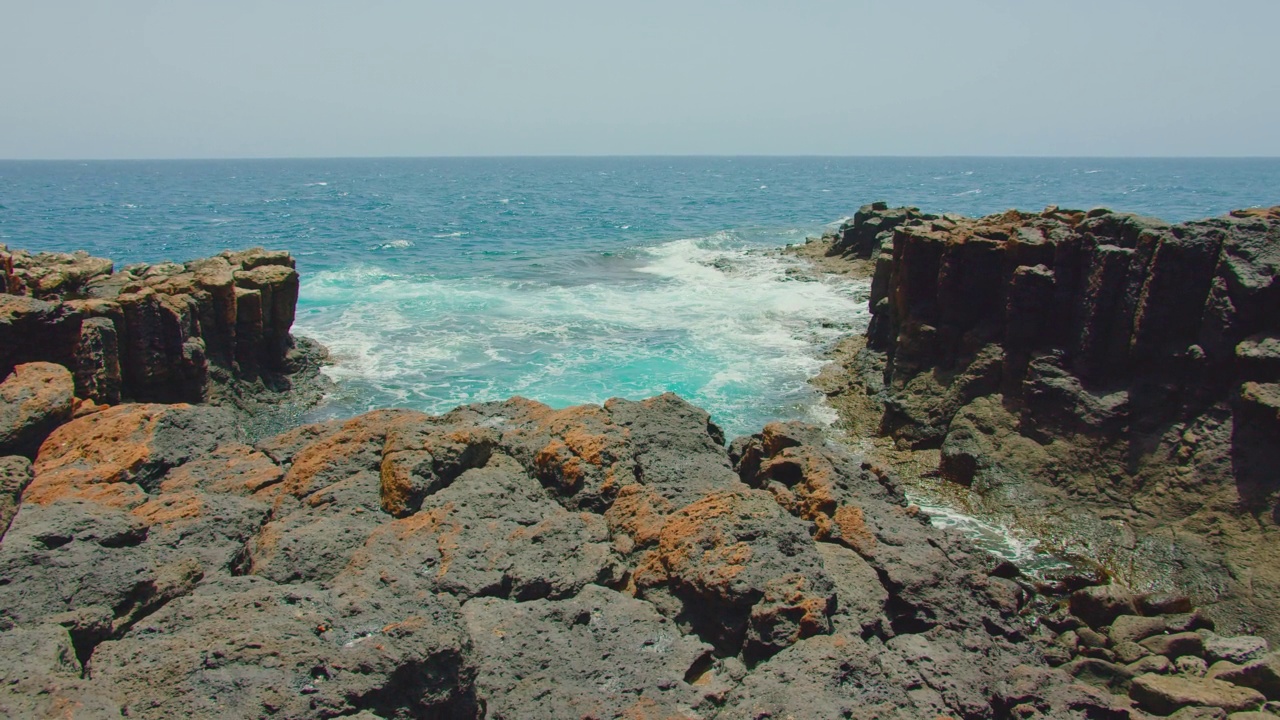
[442, 281]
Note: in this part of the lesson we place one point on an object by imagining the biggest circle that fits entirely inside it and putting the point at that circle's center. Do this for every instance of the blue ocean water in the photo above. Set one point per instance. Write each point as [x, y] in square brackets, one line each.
[437, 282]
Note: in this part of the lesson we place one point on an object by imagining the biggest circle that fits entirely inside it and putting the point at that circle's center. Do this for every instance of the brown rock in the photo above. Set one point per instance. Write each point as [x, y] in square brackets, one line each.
[34, 400]
[1158, 664]
[1092, 638]
[1200, 713]
[115, 456]
[1128, 652]
[1165, 695]
[1132, 628]
[278, 285]
[1262, 675]
[1163, 604]
[1101, 673]
[47, 275]
[1176, 645]
[1100, 605]
[162, 354]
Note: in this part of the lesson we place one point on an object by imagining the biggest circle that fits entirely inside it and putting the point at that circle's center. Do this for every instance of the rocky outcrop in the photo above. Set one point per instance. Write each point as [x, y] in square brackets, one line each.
[1108, 380]
[34, 400]
[156, 333]
[214, 330]
[503, 560]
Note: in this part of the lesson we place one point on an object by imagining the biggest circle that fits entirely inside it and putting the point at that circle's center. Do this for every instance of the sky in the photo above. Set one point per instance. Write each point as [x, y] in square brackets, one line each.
[84, 79]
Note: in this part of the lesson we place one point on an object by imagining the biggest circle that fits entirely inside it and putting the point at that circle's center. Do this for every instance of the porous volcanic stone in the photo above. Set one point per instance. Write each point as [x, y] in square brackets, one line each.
[34, 400]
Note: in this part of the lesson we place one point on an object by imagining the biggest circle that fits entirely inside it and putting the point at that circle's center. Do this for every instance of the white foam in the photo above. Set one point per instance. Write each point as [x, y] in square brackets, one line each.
[394, 245]
[722, 322]
[999, 539]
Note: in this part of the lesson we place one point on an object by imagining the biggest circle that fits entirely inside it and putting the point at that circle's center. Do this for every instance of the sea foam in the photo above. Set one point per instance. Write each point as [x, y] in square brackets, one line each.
[729, 327]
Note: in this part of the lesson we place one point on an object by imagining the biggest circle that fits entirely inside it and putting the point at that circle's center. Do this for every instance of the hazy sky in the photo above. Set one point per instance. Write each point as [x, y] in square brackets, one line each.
[232, 78]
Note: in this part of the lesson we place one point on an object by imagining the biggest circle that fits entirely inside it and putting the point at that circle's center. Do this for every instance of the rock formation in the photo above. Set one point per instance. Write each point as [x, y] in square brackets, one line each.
[504, 560]
[206, 329]
[1108, 380]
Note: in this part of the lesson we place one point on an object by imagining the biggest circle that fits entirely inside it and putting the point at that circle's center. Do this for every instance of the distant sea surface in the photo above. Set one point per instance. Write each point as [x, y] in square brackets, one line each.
[437, 282]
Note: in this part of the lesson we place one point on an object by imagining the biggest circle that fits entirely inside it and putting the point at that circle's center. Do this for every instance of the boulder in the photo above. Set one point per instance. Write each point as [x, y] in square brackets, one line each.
[1175, 645]
[34, 400]
[1133, 628]
[1241, 650]
[1164, 694]
[1100, 605]
[1262, 674]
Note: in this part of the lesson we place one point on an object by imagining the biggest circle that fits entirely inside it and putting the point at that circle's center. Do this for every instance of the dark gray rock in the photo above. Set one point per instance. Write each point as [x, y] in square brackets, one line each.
[494, 531]
[15, 475]
[246, 647]
[598, 654]
[43, 678]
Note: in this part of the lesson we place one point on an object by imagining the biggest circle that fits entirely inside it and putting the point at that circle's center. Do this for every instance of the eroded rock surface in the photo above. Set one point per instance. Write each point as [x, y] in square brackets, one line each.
[1108, 381]
[502, 560]
[210, 329]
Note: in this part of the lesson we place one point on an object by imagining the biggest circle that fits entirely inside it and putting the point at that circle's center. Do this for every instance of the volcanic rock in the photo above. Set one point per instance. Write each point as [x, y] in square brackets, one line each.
[486, 563]
[1164, 694]
[34, 400]
[1096, 376]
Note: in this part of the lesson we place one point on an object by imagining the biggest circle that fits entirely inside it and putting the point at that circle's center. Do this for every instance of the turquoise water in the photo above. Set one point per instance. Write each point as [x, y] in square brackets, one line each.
[444, 281]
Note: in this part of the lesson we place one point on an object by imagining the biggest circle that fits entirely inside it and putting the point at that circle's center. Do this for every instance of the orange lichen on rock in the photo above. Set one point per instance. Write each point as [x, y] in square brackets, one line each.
[851, 522]
[408, 626]
[421, 457]
[789, 599]
[97, 457]
[556, 464]
[356, 444]
[695, 549]
[640, 513]
[233, 469]
[170, 509]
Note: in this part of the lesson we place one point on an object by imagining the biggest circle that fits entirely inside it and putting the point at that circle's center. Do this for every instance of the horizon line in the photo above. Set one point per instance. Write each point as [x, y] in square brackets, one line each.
[634, 156]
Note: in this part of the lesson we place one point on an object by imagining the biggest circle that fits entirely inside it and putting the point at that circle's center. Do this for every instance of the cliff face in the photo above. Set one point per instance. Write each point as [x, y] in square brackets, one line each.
[505, 560]
[147, 332]
[1068, 359]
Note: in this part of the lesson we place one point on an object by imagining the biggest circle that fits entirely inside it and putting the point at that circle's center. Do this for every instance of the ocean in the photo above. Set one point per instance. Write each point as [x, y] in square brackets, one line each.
[437, 282]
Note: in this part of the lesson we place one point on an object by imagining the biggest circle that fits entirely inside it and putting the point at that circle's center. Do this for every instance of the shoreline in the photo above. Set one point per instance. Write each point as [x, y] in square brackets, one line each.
[481, 562]
[1089, 525]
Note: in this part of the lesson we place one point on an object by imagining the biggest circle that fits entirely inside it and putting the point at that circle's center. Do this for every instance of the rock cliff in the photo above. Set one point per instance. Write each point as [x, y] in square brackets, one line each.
[210, 329]
[1108, 380]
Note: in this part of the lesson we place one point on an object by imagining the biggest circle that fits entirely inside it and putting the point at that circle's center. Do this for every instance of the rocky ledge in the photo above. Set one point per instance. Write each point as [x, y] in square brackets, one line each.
[76, 335]
[1108, 381]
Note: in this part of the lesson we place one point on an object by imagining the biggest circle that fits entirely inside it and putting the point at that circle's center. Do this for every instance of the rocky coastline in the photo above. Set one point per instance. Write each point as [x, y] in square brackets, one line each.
[1106, 381]
[510, 560]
